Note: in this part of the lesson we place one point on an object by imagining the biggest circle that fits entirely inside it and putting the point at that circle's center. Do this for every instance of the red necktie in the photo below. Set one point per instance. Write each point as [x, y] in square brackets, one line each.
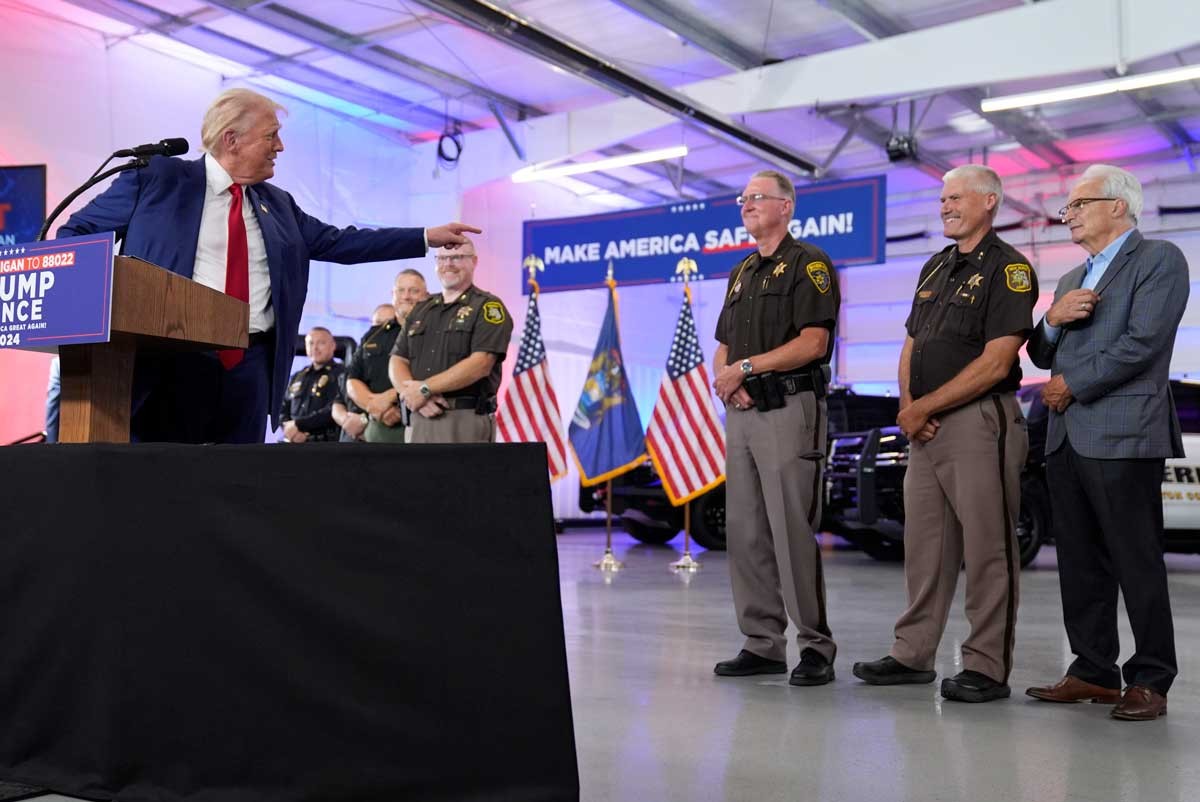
[237, 267]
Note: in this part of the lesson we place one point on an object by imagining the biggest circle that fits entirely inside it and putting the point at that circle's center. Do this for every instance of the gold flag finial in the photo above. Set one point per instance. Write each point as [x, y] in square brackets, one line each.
[533, 264]
[686, 267]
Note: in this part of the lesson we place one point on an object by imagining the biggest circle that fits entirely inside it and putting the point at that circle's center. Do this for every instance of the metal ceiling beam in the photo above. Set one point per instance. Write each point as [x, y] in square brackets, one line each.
[264, 61]
[334, 41]
[1059, 38]
[931, 164]
[1174, 133]
[518, 33]
[693, 29]
[869, 21]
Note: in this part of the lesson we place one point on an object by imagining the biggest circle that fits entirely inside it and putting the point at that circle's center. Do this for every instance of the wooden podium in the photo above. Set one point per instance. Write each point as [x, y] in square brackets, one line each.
[152, 310]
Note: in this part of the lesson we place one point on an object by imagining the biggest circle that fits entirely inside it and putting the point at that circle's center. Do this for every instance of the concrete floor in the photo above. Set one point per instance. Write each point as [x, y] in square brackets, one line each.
[654, 724]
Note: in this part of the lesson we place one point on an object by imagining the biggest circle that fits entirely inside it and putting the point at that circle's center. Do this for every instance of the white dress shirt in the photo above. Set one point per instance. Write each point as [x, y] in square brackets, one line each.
[214, 238]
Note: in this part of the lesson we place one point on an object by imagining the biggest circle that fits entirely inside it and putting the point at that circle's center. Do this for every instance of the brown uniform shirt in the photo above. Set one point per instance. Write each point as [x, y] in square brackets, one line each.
[438, 335]
[770, 299]
[963, 301]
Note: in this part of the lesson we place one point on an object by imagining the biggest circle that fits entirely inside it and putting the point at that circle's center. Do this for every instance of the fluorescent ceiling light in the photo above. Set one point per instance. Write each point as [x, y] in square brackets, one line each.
[539, 173]
[1094, 89]
[968, 122]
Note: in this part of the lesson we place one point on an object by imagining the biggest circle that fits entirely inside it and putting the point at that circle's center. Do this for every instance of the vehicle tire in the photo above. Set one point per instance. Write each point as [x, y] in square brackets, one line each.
[648, 533]
[708, 519]
[882, 549]
[1033, 521]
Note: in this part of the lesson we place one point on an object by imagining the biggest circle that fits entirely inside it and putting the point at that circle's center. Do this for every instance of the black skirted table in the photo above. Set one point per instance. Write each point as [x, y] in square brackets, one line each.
[251, 623]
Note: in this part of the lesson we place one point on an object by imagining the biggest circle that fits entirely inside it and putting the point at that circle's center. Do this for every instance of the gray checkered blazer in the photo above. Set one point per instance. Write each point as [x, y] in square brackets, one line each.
[1117, 363]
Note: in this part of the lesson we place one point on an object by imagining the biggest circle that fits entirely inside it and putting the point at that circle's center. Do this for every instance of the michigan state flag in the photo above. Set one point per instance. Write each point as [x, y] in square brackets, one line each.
[606, 432]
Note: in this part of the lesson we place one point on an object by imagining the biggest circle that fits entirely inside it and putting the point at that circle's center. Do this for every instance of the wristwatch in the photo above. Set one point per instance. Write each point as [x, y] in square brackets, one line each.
[425, 391]
[747, 368]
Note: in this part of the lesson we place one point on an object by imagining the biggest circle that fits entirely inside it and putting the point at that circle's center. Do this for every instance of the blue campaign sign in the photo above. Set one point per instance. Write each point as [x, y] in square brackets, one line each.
[56, 293]
[844, 218]
[22, 203]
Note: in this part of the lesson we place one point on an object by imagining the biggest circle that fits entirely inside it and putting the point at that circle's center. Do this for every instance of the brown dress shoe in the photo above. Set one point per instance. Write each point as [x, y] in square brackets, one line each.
[1073, 689]
[1140, 703]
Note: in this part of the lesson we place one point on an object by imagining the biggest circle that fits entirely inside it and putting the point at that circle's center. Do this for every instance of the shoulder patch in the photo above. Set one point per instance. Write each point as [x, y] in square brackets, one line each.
[1019, 277]
[818, 272]
[493, 312]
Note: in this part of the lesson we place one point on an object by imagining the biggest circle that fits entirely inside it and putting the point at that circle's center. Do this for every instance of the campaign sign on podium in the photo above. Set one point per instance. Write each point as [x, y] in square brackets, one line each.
[56, 293]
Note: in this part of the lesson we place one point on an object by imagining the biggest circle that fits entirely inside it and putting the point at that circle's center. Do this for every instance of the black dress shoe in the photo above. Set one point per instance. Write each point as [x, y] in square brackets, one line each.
[813, 669]
[971, 686]
[747, 664]
[890, 671]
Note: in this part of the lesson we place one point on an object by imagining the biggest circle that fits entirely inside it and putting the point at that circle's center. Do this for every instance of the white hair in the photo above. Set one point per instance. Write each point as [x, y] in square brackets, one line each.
[981, 179]
[233, 108]
[1118, 183]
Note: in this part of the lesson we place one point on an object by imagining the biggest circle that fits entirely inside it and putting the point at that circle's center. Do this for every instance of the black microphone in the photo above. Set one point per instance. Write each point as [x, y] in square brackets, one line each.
[167, 147]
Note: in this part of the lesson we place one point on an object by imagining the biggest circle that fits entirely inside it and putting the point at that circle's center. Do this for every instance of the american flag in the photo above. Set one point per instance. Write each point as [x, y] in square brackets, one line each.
[685, 439]
[529, 413]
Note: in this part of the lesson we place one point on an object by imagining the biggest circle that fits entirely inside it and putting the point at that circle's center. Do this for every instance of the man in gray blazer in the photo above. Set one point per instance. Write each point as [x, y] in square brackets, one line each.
[1108, 340]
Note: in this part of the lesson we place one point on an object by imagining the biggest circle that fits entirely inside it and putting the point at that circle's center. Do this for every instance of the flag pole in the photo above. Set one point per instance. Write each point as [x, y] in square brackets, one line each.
[609, 563]
[686, 564]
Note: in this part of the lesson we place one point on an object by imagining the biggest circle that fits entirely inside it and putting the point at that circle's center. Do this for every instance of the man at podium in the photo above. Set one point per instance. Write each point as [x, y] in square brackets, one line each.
[217, 221]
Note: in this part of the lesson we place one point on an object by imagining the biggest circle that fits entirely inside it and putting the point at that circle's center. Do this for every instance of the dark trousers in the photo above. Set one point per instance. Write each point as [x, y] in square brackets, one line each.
[1108, 527]
[190, 398]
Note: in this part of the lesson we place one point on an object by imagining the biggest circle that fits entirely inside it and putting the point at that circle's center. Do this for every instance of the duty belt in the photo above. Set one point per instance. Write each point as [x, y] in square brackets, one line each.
[483, 405]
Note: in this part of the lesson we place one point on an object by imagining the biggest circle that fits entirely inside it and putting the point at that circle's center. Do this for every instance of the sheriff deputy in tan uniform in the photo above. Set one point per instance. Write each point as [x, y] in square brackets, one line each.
[959, 371]
[775, 336]
[446, 362]
[307, 411]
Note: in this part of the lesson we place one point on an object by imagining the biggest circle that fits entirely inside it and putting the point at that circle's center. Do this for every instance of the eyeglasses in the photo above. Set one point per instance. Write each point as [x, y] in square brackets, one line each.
[758, 197]
[1078, 204]
[453, 258]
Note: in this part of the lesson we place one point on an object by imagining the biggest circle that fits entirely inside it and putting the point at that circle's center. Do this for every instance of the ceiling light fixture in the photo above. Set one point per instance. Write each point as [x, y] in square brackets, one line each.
[539, 173]
[1128, 83]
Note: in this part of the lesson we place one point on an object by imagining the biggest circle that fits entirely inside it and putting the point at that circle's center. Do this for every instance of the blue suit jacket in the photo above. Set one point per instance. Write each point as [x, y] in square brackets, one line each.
[156, 213]
[1117, 363]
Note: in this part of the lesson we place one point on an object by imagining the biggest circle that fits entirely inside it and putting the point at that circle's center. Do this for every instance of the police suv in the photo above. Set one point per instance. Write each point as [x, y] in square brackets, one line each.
[864, 483]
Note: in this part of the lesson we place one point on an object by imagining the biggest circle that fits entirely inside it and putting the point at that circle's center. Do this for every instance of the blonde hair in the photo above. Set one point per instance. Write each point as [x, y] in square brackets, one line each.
[232, 109]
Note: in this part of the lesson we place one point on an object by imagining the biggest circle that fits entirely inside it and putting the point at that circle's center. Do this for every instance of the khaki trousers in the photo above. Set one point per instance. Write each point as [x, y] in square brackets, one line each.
[453, 426]
[962, 495]
[772, 507]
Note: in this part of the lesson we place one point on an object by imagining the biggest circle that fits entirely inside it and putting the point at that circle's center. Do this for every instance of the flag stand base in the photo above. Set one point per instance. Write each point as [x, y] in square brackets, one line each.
[685, 563]
[608, 562]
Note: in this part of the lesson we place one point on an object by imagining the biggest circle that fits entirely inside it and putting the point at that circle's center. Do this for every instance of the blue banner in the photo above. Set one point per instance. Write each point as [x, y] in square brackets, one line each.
[844, 218]
[56, 293]
[606, 430]
[22, 203]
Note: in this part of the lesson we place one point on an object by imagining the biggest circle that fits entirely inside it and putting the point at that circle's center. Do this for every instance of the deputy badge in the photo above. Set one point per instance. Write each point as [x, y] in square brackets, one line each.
[464, 312]
[1018, 278]
[819, 273]
[324, 380]
[975, 280]
[295, 388]
[777, 272]
[493, 312]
